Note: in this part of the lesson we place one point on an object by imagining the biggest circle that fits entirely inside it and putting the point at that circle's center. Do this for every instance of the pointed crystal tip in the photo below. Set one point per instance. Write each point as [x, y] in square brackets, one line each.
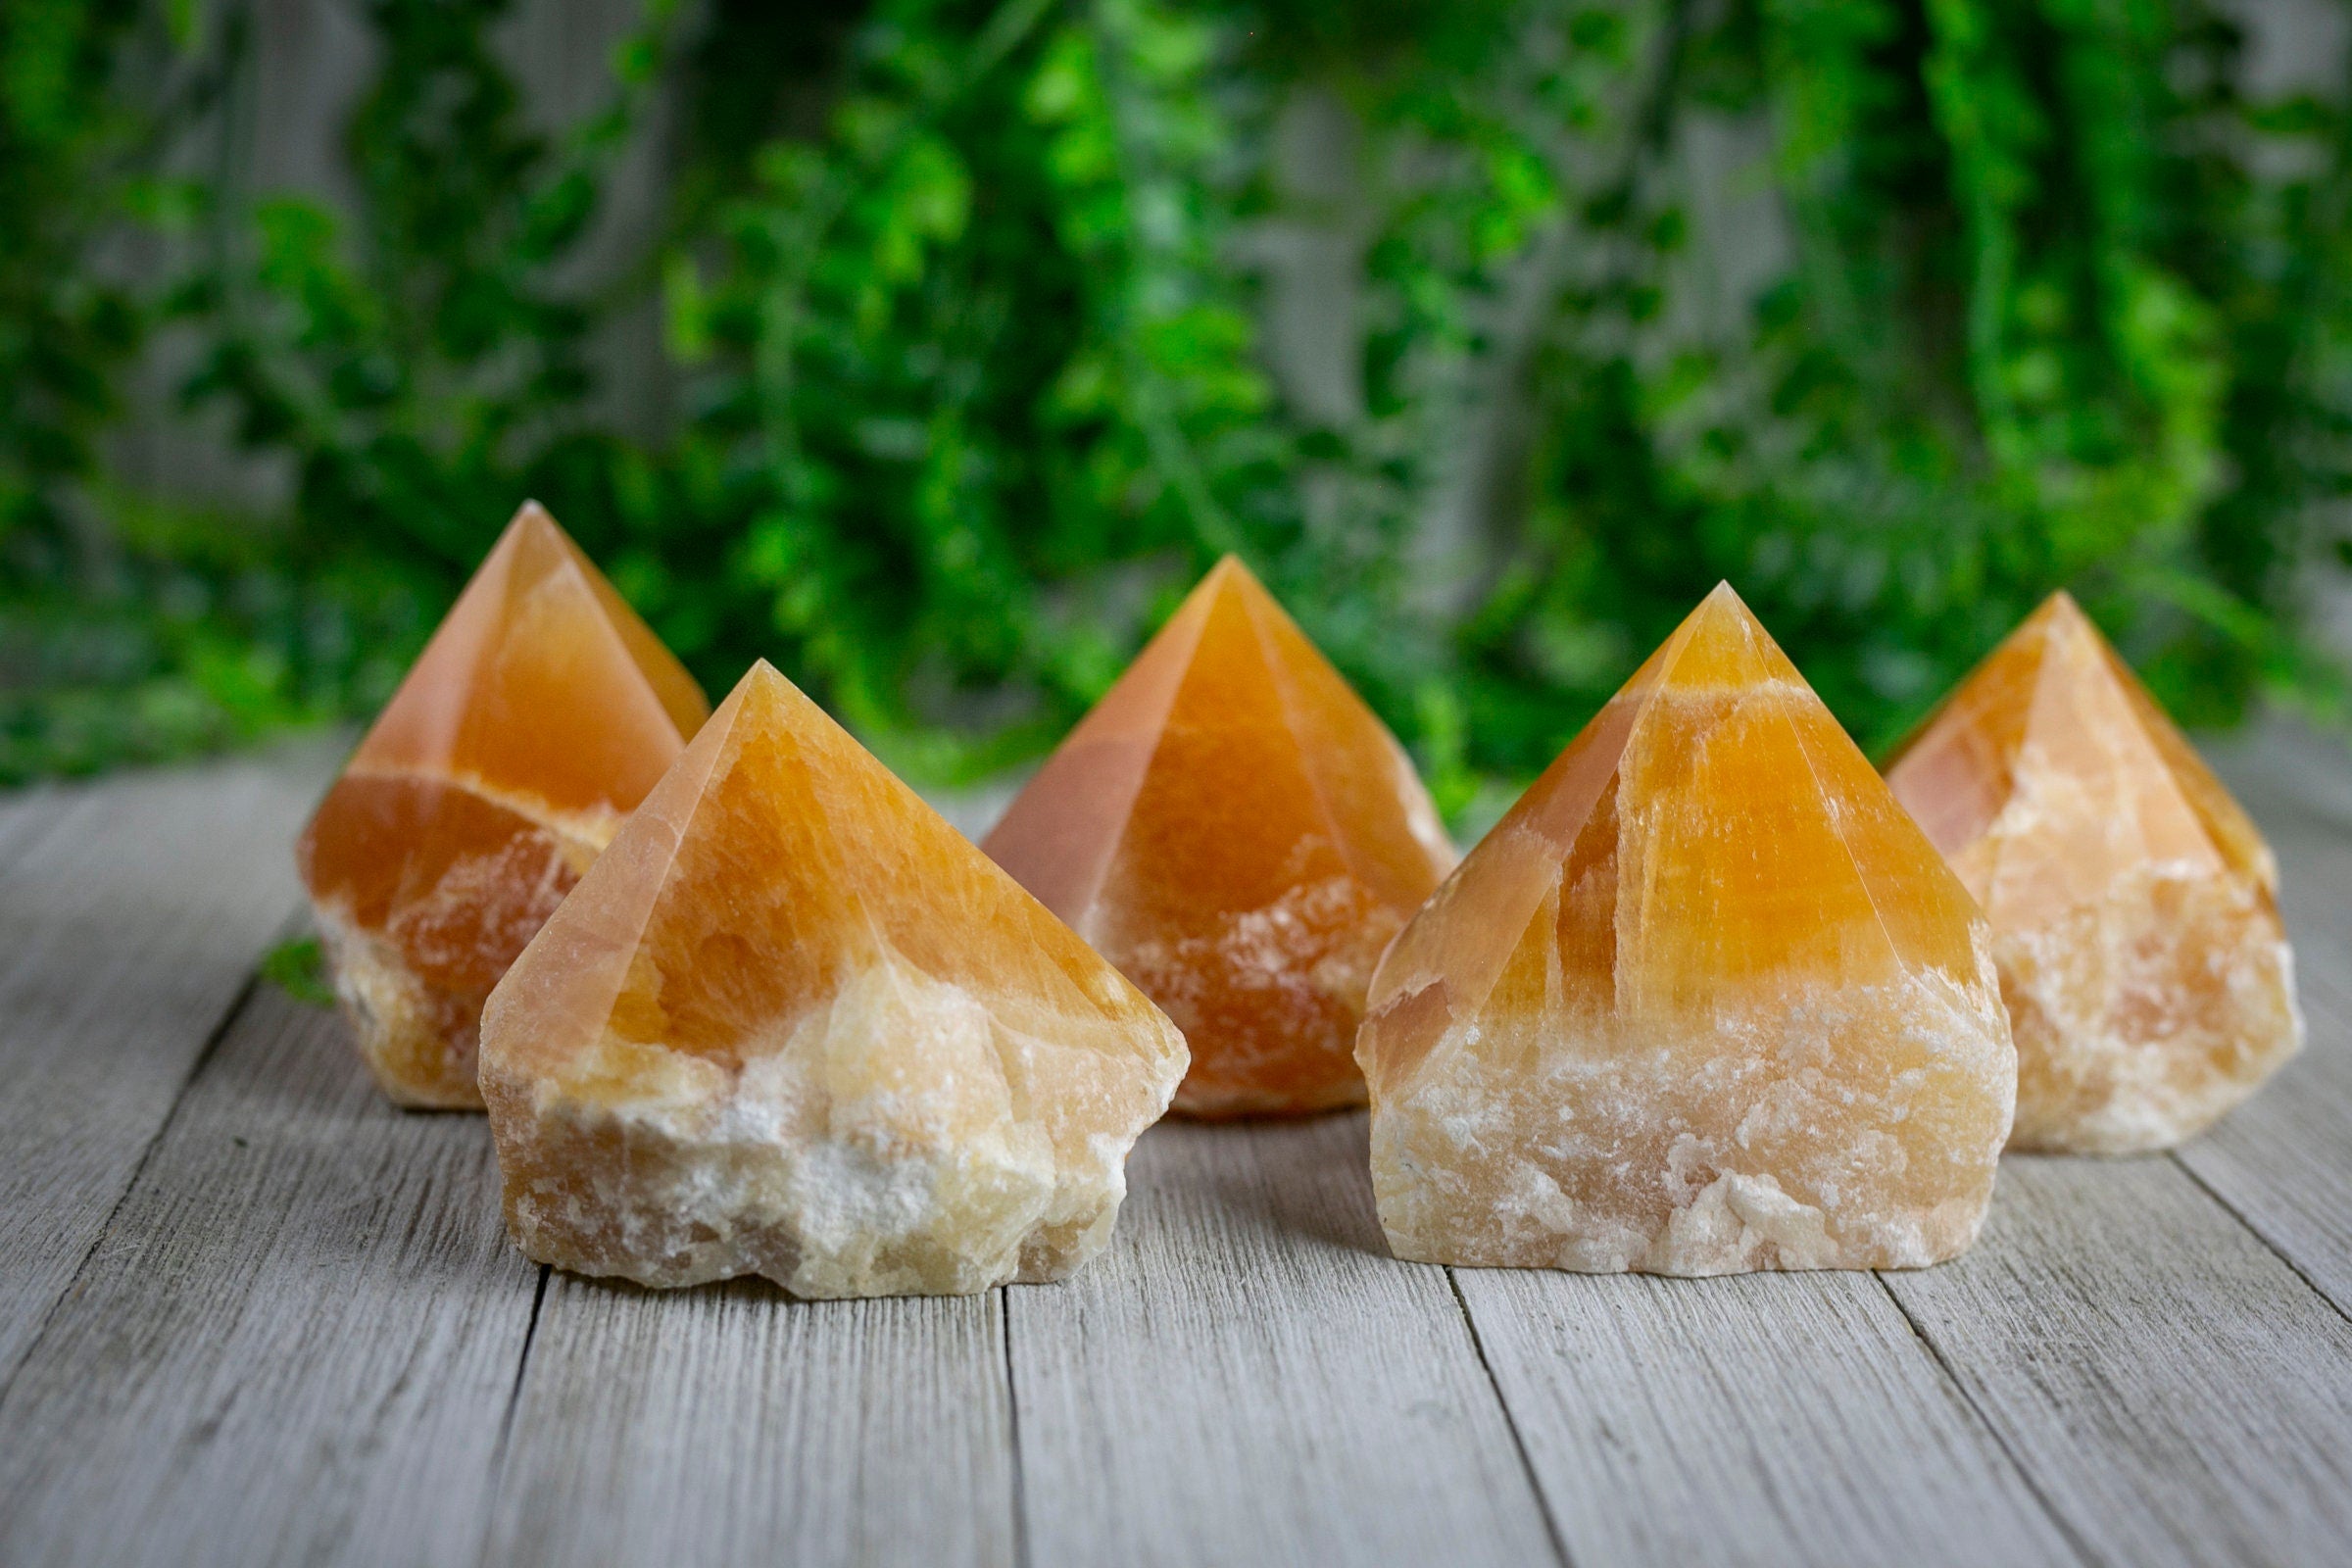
[539, 713]
[838, 1046]
[1704, 1001]
[1239, 833]
[2132, 901]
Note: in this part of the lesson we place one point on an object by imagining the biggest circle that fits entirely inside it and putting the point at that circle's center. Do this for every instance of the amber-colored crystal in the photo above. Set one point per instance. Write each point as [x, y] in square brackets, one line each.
[2133, 907]
[792, 1023]
[1238, 832]
[538, 715]
[1704, 1001]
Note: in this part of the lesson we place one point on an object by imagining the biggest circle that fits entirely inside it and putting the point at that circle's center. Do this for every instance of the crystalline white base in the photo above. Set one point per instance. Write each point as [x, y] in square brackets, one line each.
[1303, 964]
[877, 1152]
[2142, 1019]
[1689, 1163]
[418, 1043]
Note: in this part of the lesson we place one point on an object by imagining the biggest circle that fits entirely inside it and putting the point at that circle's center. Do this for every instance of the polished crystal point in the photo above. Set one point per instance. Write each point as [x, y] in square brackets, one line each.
[793, 1024]
[1704, 1001]
[538, 716]
[1238, 832]
[2133, 907]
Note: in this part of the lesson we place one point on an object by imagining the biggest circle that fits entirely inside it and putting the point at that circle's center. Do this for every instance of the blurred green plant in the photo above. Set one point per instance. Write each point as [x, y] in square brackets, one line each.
[1897, 312]
[298, 968]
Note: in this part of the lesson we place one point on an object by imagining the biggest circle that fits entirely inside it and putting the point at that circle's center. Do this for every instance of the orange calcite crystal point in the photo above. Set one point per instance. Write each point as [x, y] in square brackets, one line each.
[1238, 832]
[538, 716]
[792, 1023]
[1704, 1001]
[2133, 908]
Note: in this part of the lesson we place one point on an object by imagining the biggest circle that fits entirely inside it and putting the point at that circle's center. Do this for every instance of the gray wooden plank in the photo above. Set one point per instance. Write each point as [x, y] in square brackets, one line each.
[2297, 787]
[2175, 1391]
[1759, 1419]
[128, 926]
[1246, 1376]
[28, 813]
[296, 1342]
[736, 1425]
[2282, 1162]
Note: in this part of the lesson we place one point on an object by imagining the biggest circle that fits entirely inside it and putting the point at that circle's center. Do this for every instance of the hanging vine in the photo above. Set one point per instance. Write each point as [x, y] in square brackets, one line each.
[1897, 312]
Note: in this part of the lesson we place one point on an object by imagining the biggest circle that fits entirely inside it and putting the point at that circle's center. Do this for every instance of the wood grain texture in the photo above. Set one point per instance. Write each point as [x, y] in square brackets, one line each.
[1246, 1377]
[297, 1342]
[1759, 1419]
[25, 814]
[2282, 1162]
[299, 1335]
[734, 1425]
[128, 924]
[2175, 1391]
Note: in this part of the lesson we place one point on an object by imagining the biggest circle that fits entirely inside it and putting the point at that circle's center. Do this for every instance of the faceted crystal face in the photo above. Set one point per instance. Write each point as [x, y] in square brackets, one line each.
[793, 1024]
[1704, 1001]
[2133, 907]
[538, 715]
[1238, 832]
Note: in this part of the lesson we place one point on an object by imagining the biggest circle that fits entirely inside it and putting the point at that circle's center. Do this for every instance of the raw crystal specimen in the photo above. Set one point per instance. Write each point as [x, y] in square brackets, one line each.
[1235, 830]
[1704, 1001]
[792, 1023]
[538, 715]
[2133, 908]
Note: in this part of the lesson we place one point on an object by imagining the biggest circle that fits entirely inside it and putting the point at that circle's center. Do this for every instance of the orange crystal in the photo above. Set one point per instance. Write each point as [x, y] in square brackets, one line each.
[1704, 1001]
[538, 716]
[792, 1023]
[2133, 907]
[1238, 832]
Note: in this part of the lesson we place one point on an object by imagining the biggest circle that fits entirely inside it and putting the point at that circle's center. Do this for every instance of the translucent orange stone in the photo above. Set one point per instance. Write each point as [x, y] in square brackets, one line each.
[538, 715]
[1238, 832]
[792, 1023]
[1704, 1001]
[2133, 907]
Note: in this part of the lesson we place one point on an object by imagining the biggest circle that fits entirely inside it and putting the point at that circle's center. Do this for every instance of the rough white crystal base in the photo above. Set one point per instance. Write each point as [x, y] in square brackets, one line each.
[876, 1151]
[419, 1042]
[2142, 1019]
[1775, 1148]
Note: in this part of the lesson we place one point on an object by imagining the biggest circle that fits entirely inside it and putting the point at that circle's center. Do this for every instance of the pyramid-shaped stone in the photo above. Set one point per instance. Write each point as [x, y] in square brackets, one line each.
[1704, 1001]
[1238, 832]
[536, 718]
[793, 1024]
[2133, 907]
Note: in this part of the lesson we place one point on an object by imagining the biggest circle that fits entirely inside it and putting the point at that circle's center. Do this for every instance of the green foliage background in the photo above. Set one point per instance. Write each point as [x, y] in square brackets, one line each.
[966, 317]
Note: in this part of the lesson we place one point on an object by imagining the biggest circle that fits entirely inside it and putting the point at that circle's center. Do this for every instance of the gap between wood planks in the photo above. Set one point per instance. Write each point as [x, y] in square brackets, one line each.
[522, 1367]
[1510, 1419]
[2295, 1264]
[1985, 1424]
[1013, 1426]
[15, 843]
[204, 1054]
[127, 942]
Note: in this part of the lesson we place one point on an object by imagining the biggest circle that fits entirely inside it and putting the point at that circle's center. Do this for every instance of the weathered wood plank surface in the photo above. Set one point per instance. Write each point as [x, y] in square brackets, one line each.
[2178, 1394]
[736, 1425]
[1753, 1420]
[297, 1342]
[131, 915]
[24, 815]
[295, 1332]
[2282, 1162]
[1246, 1376]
